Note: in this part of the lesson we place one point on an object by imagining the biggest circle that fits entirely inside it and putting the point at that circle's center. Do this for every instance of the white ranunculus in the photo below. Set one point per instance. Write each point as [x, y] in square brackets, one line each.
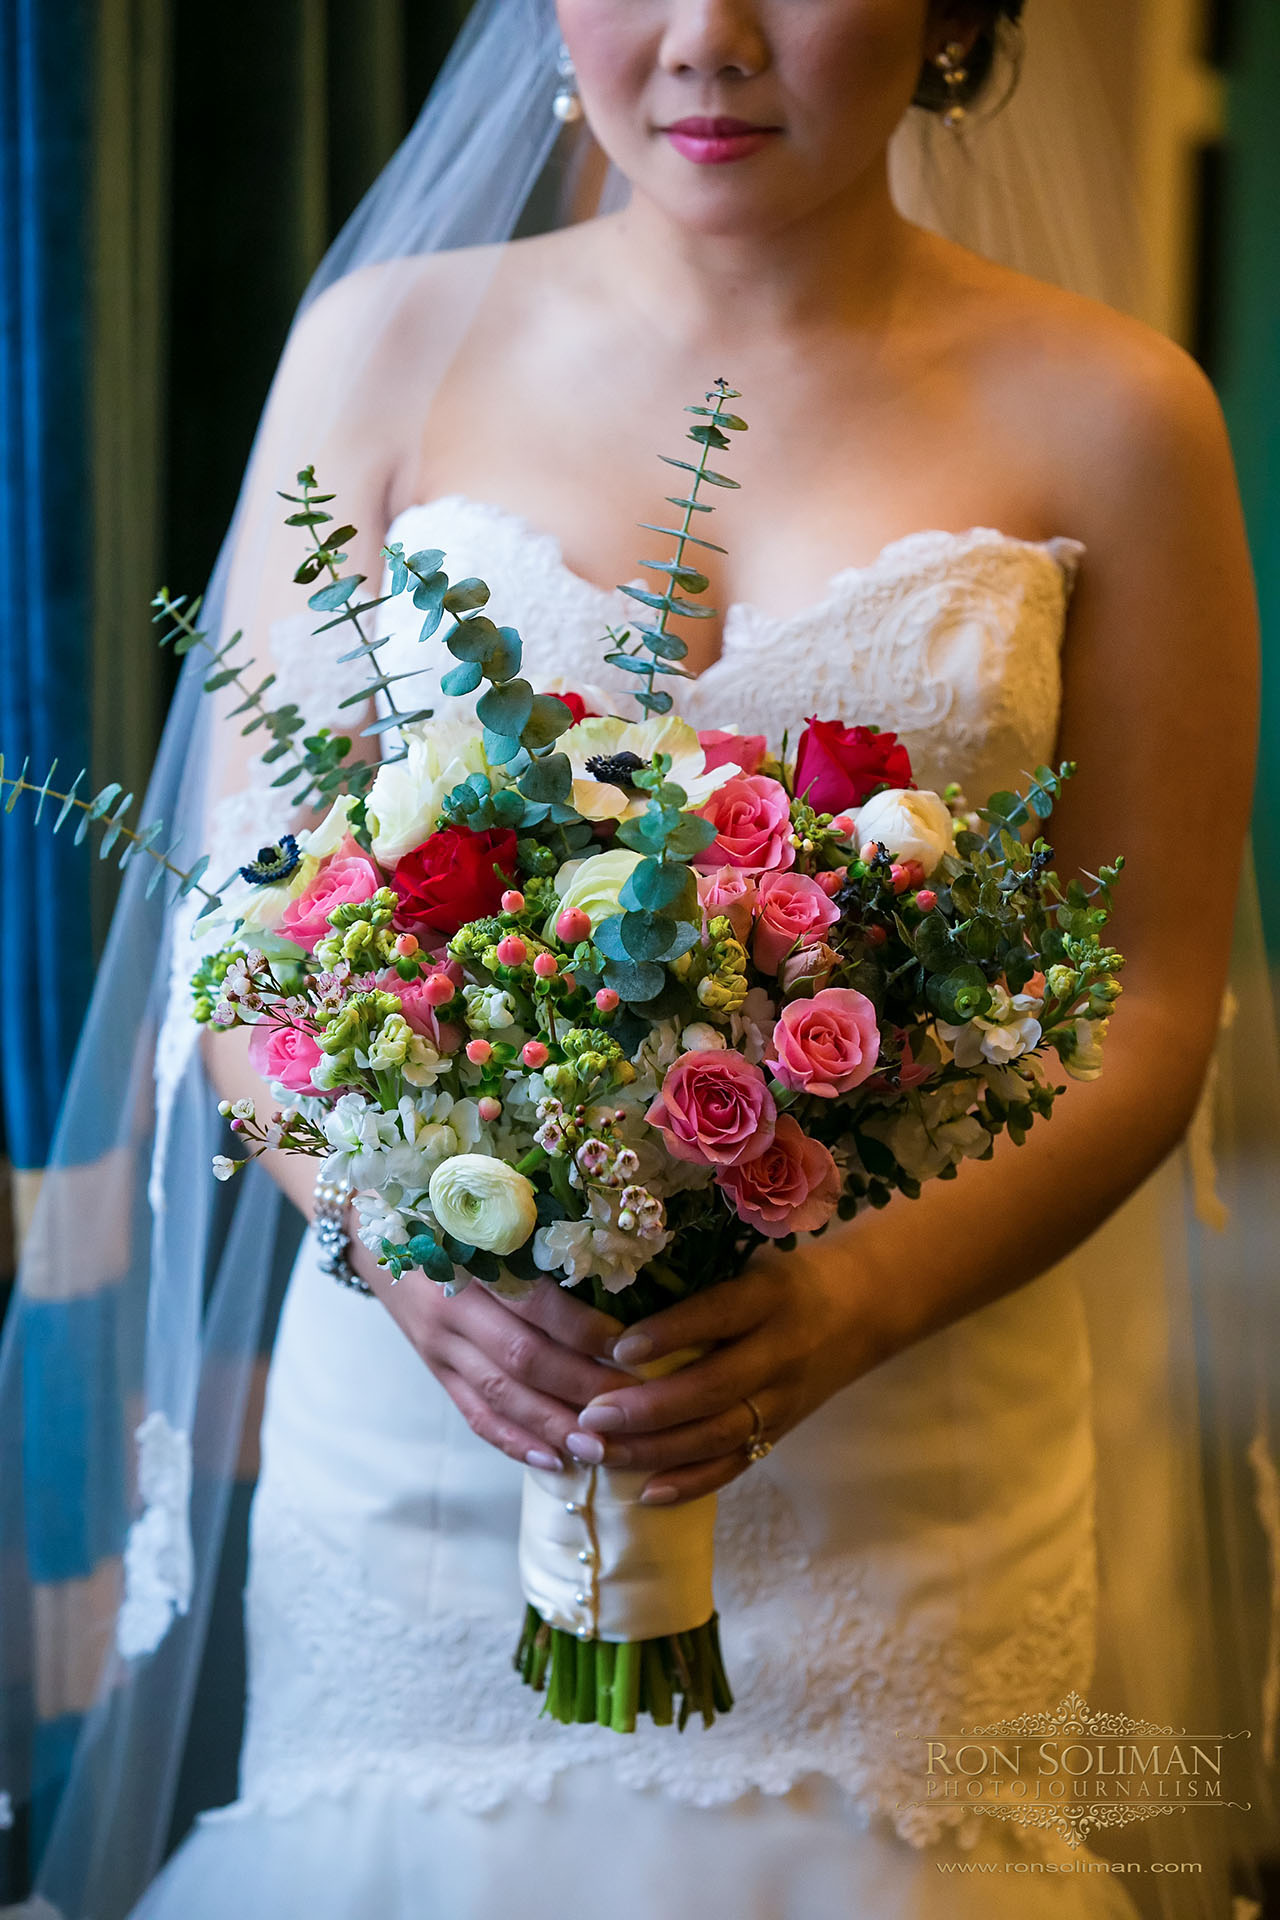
[909, 825]
[594, 883]
[483, 1202]
[406, 797]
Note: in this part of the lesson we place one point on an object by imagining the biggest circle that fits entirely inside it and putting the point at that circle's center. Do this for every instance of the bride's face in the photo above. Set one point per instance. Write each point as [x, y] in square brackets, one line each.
[738, 116]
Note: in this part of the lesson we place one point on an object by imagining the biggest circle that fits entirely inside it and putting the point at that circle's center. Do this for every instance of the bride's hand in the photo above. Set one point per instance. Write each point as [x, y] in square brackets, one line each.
[517, 1370]
[788, 1331]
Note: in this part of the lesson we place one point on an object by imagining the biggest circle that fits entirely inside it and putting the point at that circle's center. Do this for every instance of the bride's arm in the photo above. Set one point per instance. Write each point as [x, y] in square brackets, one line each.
[1161, 690]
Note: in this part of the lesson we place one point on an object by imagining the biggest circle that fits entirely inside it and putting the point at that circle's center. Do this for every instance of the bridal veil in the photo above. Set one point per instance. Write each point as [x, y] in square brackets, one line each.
[133, 1346]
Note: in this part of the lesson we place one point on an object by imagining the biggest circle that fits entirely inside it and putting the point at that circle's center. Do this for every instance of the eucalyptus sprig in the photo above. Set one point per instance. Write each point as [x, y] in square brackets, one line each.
[659, 650]
[100, 808]
[520, 726]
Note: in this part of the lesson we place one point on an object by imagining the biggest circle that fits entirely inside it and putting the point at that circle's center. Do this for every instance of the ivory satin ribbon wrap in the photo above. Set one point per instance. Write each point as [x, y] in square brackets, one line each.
[600, 1565]
[597, 1563]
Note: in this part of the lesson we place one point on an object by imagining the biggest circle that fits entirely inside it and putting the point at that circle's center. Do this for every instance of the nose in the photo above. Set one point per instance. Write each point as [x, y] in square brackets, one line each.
[710, 39]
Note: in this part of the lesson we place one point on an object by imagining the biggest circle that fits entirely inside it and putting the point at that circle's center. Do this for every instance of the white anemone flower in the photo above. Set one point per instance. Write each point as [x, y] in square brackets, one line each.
[610, 739]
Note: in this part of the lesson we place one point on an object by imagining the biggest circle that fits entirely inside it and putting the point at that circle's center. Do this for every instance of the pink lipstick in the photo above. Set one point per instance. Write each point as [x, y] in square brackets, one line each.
[714, 142]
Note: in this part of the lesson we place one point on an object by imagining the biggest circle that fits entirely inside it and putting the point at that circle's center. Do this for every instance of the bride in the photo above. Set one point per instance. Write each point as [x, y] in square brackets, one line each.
[995, 516]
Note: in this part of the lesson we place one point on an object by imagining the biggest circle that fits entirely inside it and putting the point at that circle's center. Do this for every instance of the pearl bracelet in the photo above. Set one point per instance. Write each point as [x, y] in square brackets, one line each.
[326, 1224]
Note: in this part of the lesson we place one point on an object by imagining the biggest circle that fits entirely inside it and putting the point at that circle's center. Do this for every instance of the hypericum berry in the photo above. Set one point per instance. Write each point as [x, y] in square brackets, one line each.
[845, 824]
[875, 936]
[490, 1109]
[513, 900]
[478, 1051]
[406, 944]
[512, 951]
[868, 851]
[546, 966]
[606, 999]
[570, 983]
[438, 989]
[534, 1054]
[926, 900]
[573, 926]
[900, 877]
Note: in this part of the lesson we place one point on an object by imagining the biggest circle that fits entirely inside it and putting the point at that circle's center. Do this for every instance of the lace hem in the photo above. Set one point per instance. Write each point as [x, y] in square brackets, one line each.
[436, 1714]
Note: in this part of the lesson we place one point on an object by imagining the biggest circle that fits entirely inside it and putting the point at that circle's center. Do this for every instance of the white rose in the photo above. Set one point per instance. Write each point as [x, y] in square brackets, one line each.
[406, 797]
[910, 826]
[593, 884]
[483, 1202]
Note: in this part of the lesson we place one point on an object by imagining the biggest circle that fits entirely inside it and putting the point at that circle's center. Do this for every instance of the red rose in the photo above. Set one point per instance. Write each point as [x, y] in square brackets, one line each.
[839, 767]
[450, 878]
[577, 706]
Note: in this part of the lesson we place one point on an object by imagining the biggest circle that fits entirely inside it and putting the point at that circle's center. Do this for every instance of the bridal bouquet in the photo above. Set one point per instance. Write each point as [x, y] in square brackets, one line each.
[557, 992]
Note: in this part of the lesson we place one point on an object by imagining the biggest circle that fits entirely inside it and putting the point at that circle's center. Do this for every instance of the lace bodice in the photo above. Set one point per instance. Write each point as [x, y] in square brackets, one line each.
[951, 639]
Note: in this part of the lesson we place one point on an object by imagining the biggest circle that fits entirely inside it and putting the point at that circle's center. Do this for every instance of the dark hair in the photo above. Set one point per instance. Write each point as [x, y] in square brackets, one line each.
[933, 93]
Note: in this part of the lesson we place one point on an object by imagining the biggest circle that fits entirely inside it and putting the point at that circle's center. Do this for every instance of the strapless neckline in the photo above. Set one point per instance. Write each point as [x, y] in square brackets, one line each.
[742, 617]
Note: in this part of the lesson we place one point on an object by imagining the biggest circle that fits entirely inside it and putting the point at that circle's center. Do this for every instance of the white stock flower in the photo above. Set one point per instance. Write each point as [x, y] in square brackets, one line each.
[604, 739]
[1084, 1062]
[1004, 1033]
[596, 1247]
[379, 1221]
[909, 825]
[593, 884]
[935, 1130]
[483, 1202]
[406, 797]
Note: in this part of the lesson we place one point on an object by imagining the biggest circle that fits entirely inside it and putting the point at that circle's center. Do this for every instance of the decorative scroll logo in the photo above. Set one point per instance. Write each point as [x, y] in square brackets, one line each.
[1072, 1770]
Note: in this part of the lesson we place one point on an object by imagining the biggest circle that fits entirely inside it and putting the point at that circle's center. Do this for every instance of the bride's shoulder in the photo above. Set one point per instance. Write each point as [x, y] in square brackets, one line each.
[1120, 412]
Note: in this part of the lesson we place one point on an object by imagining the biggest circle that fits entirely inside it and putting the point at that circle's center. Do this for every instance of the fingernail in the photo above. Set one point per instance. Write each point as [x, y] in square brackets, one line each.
[659, 1496]
[550, 1461]
[585, 1447]
[602, 1416]
[632, 1347]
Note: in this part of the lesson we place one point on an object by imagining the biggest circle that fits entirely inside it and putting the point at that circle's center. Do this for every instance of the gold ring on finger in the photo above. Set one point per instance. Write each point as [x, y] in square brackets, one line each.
[757, 1445]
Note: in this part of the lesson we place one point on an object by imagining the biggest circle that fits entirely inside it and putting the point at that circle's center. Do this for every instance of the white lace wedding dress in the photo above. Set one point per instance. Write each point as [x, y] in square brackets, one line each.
[916, 1558]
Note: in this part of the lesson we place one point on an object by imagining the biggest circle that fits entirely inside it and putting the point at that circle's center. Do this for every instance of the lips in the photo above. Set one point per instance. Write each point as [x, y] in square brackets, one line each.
[713, 140]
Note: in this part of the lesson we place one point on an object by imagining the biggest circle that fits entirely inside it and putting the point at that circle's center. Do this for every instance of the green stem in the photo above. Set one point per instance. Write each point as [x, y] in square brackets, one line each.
[626, 1686]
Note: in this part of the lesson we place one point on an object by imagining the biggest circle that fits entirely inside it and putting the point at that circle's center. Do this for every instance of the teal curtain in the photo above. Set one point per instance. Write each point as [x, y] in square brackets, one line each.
[169, 176]
[45, 571]
[1245, 293]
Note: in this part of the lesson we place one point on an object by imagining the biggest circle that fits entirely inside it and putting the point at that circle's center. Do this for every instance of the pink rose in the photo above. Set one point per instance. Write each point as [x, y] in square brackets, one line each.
[714, 1108]
[284, 1053]
[792, 1187]
[826, 1045]
[730, 892]
[794, 911]
[752, 818]
[745, 750]
[444, 1035]
[345, 878]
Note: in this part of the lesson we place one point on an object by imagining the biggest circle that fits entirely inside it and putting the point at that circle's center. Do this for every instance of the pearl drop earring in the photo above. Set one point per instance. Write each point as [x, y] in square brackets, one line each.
[566, 106]
[950, 63]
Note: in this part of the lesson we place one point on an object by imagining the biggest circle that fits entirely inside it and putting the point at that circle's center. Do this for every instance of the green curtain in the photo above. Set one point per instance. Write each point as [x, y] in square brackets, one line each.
[1244, 270]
